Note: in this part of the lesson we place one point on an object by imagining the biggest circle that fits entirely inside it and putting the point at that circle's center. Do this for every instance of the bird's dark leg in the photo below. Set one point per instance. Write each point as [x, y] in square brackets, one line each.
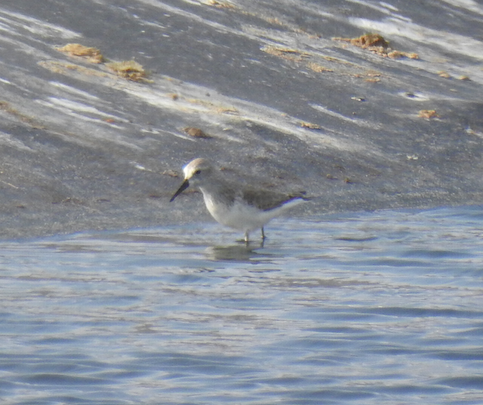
[263, 234]
[246, 237]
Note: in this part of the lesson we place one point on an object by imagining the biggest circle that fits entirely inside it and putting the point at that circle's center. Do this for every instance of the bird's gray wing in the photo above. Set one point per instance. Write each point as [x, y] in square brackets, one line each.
[267, 199]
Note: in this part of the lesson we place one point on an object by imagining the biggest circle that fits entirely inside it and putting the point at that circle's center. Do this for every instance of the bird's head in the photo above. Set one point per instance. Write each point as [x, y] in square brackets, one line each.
[195, 173]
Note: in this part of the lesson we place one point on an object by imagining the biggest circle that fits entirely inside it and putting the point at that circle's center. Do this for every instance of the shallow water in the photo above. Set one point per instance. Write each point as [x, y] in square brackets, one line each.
[364, 308]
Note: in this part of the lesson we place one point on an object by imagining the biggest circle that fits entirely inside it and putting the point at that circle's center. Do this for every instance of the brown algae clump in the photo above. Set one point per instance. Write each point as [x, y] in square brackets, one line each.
[377, 43]
[93, 55]
[428, 114]
[130, 70]
[285, 53]
[369, 41]
[401, 54]
[318, 68]
[196, 133]
[309, 125]
[220, 4]
[373, 42]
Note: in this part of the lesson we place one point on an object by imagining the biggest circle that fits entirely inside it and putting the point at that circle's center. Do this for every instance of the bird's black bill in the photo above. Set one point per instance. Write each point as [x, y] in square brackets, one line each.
[181, 188]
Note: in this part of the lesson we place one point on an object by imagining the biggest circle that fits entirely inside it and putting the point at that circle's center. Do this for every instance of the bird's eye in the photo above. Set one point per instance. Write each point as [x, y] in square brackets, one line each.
[197, 171]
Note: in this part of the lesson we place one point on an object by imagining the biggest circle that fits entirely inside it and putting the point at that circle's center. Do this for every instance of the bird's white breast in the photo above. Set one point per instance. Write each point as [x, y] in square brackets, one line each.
[240, 215]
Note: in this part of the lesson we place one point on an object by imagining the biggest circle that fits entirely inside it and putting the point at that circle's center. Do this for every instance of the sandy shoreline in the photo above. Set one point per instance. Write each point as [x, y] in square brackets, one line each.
[274, 94]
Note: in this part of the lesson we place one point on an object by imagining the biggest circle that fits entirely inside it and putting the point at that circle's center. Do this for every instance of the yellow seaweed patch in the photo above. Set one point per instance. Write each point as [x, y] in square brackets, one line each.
[309, 125]
[373, 42]
[376, 43]
[219, 4]
[400, 54]
[130, 70]
[370, 40]
[92, 55]
[285, 53]
[318, 68]
[227, 110]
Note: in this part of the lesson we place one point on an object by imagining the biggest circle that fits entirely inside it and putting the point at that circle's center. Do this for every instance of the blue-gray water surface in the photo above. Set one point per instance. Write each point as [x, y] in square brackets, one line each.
[365, 308]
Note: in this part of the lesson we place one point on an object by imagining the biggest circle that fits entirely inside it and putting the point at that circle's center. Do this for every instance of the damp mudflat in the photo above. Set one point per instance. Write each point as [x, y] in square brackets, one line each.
[383, 307]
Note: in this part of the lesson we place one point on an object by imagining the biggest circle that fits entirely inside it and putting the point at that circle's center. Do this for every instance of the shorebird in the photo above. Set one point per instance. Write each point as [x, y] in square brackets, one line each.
[232, 204]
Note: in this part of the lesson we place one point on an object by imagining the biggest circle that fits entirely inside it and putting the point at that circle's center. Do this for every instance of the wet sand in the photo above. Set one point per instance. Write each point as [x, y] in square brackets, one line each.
[280, 93]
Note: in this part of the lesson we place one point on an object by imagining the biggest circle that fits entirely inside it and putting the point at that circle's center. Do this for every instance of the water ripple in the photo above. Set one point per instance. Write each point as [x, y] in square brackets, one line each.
[359, 308]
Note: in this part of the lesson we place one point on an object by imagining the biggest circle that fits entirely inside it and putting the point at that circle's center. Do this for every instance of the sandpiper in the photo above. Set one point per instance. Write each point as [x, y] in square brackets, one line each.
[231, 204]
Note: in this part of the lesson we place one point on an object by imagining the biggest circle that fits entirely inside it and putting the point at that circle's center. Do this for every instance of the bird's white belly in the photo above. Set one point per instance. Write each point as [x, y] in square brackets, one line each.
[239, 215]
